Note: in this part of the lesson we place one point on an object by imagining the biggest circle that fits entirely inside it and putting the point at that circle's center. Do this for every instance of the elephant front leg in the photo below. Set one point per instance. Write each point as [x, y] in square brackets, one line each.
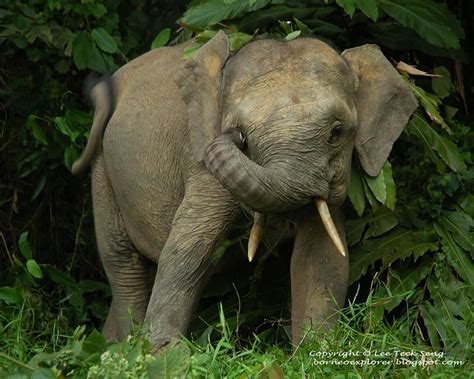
[188, 257]
[319, 275]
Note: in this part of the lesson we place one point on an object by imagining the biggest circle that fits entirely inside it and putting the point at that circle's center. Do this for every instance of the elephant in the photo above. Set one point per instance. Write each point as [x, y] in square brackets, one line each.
[180, 148]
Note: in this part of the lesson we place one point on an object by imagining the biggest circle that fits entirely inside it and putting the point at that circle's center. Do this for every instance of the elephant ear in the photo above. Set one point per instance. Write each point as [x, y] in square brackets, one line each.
[384, 105]
[198, 81]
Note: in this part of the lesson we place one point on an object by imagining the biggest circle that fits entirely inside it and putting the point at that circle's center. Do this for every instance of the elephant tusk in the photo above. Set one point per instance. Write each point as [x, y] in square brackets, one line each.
[328, 223]
[255, 235]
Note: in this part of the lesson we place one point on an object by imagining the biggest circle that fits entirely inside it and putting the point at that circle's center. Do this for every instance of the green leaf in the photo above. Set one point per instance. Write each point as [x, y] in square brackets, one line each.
[81, 50]
[104, 40]
[324, 27]
[39, 186]
[377, 186]
[460, 225]
[94, 342]
[369, 8]
[431, 104]
[293, 35]
[34, 269]
[356, 191]
[42, 32]
[432, 21]
[97, 10]
[403, 282]
[443, 86]
[459, 260]
[60, 277]
[212, 12]
[432, 141]
[396, 245]
[374, 225]
[237, 40]
[457, 297]
[36, 130]
[347, 5]
[43, 373]
[261, 18]
[71, 154]
[63, 126]
[453, 311]
[97, 61]
[467, 204]
[161, 39]
[24, 246]
[305, 30]
[431, 318]
[390, 186]
[10, 295]
[172, 362]
[190, 51]
[87, 286]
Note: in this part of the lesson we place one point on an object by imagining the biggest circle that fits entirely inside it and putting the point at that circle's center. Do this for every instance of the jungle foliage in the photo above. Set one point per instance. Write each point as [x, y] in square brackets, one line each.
[410, 228]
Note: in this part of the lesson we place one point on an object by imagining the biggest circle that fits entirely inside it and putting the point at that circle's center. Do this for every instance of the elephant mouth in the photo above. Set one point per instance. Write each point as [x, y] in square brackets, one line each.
[256, 233]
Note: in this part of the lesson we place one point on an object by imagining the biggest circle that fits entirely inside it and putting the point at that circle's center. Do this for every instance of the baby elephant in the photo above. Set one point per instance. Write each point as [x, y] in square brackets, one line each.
[179, 148]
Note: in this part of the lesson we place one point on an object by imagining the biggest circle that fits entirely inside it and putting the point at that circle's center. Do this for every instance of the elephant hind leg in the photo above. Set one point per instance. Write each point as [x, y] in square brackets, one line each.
[129, 273]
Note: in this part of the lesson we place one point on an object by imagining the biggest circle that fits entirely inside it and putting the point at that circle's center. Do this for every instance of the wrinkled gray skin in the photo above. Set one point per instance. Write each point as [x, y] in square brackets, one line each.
[171, 173]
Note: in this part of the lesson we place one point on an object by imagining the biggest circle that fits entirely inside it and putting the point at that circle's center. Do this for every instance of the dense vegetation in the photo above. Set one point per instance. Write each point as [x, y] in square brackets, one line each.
[410, 229]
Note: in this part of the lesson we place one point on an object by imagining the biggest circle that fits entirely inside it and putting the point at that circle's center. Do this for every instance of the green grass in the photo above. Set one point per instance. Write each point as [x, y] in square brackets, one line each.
[360, 346]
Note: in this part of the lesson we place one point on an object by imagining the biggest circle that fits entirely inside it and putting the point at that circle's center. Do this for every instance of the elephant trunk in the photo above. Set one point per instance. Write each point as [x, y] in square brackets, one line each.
[263, 189]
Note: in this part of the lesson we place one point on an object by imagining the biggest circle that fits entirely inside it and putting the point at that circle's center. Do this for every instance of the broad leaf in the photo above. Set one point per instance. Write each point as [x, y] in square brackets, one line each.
[432, 141]
[10, 295]
[457, 257]
[71, 154]
[377, 186]
[303, 28]
[24, 246]
[442, 85]
[430, 104]
[104, 40]
[383, 186]
[38, 133]
[347, 5]
[34, 269]
[374, 225]
[403, 282]
[390, 186]
[63, 126]
[161, 39]
[237, 40]
[356, 191]
[460, 225]
[81, 50]
[214, 11]
[259, 19]
[97, 61]
[293, 35]
[369, 8]
[394, 246]
[453, 311]
[432, 21]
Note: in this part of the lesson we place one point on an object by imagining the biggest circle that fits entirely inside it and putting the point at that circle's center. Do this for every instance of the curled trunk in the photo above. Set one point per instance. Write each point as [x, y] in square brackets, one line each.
[276, 188]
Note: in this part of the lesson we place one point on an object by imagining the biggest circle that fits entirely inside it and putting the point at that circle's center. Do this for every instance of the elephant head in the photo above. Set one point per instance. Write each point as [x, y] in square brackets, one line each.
[277, 122]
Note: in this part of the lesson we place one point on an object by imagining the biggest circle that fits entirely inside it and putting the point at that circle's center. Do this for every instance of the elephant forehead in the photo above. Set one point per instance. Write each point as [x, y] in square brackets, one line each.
[287, 104]
[268, 64]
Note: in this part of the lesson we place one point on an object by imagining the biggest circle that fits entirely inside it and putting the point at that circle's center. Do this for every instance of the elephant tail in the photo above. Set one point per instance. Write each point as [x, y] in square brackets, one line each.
[103, 97]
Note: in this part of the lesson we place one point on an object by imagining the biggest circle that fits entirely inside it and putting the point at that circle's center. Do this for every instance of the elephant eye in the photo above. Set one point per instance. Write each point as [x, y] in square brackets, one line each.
[336, 133]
